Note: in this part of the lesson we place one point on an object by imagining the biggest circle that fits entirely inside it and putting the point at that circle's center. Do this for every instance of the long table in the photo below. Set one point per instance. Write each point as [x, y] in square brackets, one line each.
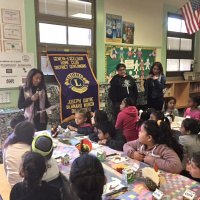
[173, 188]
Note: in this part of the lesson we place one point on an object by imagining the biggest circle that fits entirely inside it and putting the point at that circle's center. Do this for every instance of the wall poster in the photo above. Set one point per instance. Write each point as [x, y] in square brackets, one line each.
[113, 28]
[128, 32]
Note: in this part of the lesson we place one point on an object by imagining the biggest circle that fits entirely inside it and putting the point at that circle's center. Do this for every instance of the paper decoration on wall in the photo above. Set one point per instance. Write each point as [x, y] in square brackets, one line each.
[128, 33]
[113, 28]
[138, 60]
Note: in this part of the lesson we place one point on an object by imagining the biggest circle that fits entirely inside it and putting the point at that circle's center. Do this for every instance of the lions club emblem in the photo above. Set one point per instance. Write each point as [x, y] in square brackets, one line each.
[77, 82]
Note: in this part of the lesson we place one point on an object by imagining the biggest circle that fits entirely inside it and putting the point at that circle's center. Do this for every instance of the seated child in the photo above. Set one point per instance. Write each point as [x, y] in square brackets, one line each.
[32, 187]
[82, 123]
[156, 145]
[43, 144]
[98, 117]
[169, 106]
[16, 120]
[194, 166]
[193, 111]
[109, 136]
[190, 138]
[145, 115]
[157, 115]
[13, 123]
[87, 177]
[127, 119]
[17, 144]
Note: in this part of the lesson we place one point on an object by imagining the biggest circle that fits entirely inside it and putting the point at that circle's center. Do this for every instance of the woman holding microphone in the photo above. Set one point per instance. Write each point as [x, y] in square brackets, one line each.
[33, 99]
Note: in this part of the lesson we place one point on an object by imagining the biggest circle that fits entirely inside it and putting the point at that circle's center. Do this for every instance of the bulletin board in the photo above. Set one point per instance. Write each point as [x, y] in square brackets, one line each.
[138, 60]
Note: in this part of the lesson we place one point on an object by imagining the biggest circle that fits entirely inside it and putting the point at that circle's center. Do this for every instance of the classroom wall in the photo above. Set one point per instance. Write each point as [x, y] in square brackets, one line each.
[27, 11]
[150, 23]
[16, 5]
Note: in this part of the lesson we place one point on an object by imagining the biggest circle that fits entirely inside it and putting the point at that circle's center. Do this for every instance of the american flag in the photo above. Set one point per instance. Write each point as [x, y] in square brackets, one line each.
[191, 15]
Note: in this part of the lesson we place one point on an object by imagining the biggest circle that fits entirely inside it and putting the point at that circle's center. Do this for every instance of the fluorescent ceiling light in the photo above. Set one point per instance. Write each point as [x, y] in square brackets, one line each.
[82, 15]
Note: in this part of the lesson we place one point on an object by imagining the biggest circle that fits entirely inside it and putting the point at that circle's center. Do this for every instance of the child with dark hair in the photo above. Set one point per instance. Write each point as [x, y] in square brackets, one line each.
[98, 117]
[16, 145]
[82, 123]
[156, 145]
[157, 115]
[145, 115]
[127, 119]
[169, 106]
[32, 187]
[109, 136]
[193, 111]
[16, 120]
[190, 139]
[43, 144]
[13, 123]
[154, 85]
[194, 166]
[87, 177]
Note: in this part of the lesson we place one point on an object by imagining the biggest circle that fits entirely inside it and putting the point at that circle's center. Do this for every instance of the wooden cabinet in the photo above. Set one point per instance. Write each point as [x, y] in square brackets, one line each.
[181, 90]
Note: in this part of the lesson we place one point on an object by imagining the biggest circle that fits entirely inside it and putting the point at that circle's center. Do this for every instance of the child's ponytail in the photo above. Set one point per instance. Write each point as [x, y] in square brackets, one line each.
[165, 137]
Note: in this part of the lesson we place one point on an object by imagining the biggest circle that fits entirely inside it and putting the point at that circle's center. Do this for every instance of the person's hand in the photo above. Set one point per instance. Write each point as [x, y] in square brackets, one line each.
[149, 160]
[137, 156]
[149, 76]
[35, 97]
[155, 77]
[103, 142]
[71, 128]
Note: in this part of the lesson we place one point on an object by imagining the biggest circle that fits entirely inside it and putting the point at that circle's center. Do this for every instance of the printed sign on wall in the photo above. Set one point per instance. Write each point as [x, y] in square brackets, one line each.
[14, 68]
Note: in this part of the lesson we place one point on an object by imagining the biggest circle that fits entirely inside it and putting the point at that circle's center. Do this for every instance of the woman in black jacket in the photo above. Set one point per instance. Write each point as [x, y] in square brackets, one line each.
[33, 99]
[154, 85]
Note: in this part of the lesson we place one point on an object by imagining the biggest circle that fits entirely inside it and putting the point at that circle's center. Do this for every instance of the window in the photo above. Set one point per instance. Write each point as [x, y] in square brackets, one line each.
[65, 25]
[80, 9]
[50, 33]
[180, 46]
[79, 36]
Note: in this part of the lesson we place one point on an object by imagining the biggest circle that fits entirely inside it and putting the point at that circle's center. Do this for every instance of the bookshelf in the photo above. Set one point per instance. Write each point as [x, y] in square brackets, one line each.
[181, 90]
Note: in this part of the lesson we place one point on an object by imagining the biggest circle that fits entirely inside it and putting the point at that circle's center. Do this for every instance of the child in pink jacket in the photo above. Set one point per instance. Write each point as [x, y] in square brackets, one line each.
[155, 145]
[127, 119]
[193, 111]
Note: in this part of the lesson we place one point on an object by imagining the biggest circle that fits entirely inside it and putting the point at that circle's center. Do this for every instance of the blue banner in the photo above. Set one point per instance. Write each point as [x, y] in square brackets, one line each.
[77, 83]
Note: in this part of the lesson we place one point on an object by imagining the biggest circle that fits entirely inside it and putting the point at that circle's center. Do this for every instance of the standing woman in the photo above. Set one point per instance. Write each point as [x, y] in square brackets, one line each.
[154, 85]
[33, 99]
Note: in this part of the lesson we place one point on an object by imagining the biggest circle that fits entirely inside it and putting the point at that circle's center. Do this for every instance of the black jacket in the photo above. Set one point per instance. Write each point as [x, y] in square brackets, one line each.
[43, 192]
[154, 88]
[85, 130]
[122, 87]
[116, 142]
